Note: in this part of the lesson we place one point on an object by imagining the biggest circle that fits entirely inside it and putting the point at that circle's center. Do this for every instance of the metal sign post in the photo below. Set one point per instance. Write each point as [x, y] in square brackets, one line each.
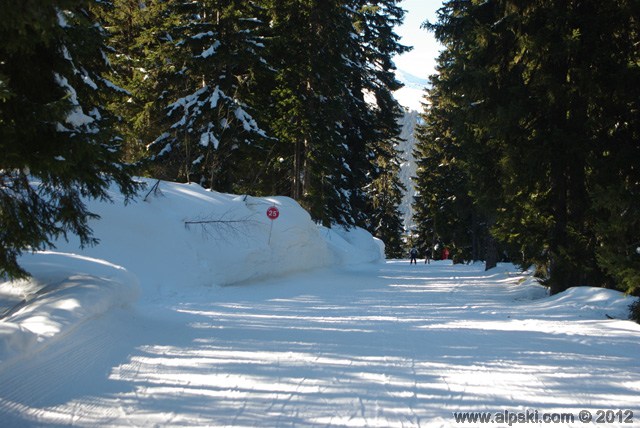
[273, 213]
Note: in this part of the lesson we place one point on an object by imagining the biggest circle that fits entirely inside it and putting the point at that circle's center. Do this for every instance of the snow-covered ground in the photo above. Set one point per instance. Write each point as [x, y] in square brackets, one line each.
[254, 323]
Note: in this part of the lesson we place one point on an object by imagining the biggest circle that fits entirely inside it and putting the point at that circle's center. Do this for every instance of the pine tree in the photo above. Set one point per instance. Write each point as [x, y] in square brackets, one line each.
[444, 211]
[614, 176]
[213, 48]
[306, 110]
[373, 129]
[139, 49]
[456, 178]
[336, 146]
[384, 218]
[536, 110]
[307, 71]
[55, 134]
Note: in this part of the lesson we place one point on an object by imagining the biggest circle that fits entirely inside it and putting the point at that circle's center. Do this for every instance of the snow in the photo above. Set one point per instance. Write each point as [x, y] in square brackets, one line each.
[202, 35]
[248, 123]
[411, 95]
[62, 20]
[208, 137]
[109, 84]
[408, 168]
[197, 310]
[215, 97]
[76, 117]
[88, 80]
[72, 288]
[211, 50]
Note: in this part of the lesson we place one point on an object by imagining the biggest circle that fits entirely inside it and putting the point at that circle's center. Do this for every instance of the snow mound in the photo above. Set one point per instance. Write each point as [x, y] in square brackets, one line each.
[70, 289]
[185, 236]
[176, 236]
[342, 242]
[588, 302]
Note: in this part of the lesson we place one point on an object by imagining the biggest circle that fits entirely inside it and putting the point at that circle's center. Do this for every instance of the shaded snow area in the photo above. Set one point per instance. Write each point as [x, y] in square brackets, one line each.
[251, 323]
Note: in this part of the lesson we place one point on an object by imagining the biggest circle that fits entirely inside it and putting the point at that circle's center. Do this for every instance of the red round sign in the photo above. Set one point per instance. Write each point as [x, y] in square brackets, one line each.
[273, 213]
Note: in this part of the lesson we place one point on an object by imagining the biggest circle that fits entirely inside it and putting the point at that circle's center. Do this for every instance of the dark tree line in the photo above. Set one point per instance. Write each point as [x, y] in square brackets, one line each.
[264, 97]
[531, 142]
[57, 139]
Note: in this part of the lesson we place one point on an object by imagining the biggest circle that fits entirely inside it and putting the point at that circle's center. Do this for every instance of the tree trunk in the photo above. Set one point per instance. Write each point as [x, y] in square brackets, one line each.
[298, 159]
[491, 257]
[475, 237]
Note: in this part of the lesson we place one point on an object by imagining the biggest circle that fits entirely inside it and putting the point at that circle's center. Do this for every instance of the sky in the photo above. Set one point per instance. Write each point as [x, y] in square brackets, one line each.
[422, 59]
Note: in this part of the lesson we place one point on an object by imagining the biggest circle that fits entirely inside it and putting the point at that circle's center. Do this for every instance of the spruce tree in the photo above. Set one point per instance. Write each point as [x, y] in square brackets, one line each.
[316, 75]
[444, 211]
[536, 110]
[139, 52]
[614, 176]
[213, 49]
[373, 129]
[329, 57]
[384, 218]
[305, 98]
[56, 138]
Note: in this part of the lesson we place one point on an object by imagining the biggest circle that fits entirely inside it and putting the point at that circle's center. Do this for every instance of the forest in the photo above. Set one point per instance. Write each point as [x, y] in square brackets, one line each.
[265, 97]
[529, 150]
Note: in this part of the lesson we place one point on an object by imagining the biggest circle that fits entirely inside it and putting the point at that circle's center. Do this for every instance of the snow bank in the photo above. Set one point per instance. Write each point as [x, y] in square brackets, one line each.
[351, 246]
[179, 236]
[574, 303]
[587, 302]
[70, 289]
[186, 236]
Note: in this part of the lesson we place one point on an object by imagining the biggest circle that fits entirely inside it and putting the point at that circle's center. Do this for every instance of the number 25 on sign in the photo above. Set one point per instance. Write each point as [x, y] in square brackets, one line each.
[273, 213]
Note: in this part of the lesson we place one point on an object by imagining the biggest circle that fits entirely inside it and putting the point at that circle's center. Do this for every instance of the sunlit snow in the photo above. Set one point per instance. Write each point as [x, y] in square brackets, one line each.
[172, 321]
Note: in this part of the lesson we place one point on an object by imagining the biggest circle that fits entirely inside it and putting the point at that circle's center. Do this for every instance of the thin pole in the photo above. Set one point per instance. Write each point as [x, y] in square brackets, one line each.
[270, 229]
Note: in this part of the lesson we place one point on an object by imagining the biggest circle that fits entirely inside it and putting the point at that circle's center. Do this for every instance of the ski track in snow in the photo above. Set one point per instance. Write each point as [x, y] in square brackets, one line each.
[386, 345]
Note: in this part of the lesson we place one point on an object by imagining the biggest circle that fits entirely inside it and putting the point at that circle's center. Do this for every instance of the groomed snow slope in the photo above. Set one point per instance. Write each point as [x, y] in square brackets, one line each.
[374, 345]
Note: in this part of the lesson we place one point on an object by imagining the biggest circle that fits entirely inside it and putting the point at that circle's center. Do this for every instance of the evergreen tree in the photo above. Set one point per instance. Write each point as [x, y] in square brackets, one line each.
[213, 49]
[55, 134]
[535, 108]
[306, 111]
[317, 76]
[444, 210]
[384, 218]
[456, 178]
[139, 53]
[329, 57]
[613, 173]
[373, 129]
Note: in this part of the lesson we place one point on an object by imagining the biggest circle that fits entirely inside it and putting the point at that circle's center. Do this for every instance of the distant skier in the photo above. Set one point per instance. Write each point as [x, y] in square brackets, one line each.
[427, 256]
[414, 255]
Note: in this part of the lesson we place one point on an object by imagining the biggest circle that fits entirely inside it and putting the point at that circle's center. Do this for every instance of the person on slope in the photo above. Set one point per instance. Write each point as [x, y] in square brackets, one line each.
[414, 255]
